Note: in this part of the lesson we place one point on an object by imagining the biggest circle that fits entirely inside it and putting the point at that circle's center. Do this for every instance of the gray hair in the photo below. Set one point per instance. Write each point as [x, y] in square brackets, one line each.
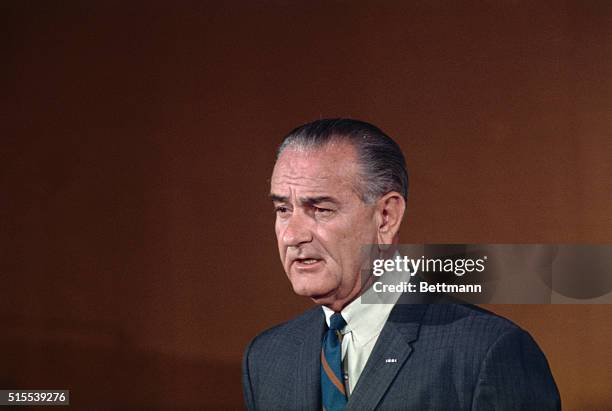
[381, 159]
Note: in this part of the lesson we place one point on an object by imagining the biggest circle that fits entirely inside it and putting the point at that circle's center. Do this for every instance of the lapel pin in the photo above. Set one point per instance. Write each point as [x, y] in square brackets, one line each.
[388, 360]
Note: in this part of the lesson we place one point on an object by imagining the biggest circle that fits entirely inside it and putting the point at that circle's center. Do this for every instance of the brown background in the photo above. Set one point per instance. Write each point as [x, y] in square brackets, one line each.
[137, 250]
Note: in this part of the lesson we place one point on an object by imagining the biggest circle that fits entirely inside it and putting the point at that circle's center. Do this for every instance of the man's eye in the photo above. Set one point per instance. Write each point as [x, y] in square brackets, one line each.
[281, 210]
[323, 211]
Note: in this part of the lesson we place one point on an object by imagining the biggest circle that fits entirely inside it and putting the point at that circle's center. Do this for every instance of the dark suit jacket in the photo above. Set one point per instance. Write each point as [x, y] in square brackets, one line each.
[449, 357]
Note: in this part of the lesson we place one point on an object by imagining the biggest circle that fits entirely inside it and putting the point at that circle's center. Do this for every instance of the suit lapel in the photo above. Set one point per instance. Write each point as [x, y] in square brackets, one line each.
[309, 365]
[390, 352]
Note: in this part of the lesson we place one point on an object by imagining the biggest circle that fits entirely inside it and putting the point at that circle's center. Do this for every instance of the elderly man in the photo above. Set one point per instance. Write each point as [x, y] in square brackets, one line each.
[338, 185]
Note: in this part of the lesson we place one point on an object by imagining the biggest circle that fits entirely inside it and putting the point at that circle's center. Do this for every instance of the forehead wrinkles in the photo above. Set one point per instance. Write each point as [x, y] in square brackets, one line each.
[324, 184]
[297, 180]
[324, 171]
[300, 173]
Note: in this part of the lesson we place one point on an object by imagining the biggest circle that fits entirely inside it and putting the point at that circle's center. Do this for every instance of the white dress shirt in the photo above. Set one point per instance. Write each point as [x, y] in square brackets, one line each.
[364, 324]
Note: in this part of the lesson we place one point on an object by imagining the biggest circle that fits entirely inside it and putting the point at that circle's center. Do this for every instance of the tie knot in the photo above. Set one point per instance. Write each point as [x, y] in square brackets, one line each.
[336, 322]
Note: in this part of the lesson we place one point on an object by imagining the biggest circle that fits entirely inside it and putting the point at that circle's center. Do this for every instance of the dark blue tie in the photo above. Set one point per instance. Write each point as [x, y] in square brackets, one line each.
[332, 382]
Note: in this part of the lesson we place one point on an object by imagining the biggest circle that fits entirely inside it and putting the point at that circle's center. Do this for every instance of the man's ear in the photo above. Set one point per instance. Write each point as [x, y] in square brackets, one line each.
[390, 209]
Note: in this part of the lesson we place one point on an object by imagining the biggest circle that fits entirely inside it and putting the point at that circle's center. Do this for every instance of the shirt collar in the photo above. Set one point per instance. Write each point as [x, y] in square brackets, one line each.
[366, 321]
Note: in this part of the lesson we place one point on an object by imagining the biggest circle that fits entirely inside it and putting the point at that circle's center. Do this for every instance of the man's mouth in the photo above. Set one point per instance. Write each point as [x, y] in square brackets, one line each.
[306, 263]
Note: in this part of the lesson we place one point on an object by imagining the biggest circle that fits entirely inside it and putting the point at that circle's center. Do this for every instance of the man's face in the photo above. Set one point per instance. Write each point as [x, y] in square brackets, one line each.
[321, 222]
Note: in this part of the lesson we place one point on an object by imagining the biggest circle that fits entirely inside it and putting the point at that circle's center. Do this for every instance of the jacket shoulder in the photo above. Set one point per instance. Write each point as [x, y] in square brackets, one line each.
[467, 328]
[292, 329]
[270, 360]
[465, 315]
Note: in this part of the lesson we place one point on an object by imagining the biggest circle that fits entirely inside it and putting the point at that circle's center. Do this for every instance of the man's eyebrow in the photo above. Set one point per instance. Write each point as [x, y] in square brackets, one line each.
[305, 200]
[318, 200]
[278, 199]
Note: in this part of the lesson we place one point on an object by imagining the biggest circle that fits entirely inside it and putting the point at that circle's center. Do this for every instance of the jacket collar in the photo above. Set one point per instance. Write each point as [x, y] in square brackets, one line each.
[389, 355]
[390, 352]
[309, 363]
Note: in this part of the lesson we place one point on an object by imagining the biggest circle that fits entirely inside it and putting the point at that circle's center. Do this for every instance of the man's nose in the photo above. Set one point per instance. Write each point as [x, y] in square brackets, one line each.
[297, 231]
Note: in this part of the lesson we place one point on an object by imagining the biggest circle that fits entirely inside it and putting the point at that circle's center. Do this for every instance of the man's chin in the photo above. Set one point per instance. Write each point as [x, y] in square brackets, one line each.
[314, 293]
